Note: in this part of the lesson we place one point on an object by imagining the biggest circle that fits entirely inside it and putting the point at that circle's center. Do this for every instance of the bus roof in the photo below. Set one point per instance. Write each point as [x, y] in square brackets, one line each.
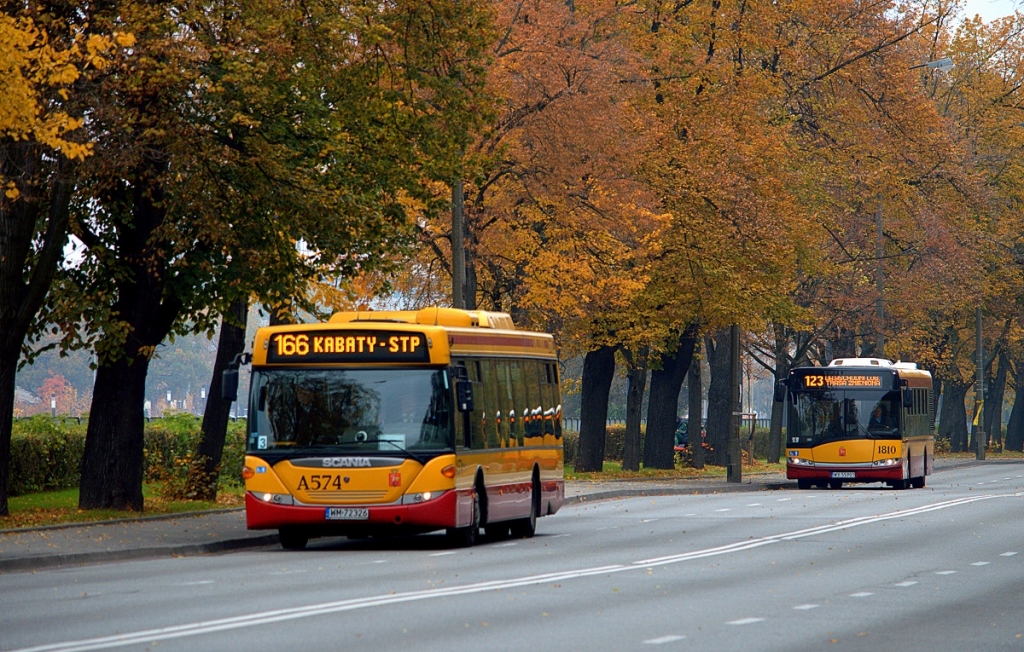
[433, 316]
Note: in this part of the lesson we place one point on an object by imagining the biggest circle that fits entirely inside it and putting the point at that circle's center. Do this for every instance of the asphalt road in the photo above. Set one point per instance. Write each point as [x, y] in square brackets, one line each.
[862, 568]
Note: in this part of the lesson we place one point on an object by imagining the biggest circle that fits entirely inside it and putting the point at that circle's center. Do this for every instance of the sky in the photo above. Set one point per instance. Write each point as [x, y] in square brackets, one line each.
[991, 9]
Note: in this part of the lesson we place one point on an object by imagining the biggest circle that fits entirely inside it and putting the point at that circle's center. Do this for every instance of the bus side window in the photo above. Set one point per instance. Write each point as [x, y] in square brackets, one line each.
[547, 393]
[489, 389]
[535, 416]
[518, 401]
[506, 403]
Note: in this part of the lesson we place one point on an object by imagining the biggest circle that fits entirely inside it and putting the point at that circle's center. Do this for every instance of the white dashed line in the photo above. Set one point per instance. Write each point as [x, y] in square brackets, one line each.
[806, 607]
[205, 582]
[980, 563]
[443, 554]
[379, 561]
[907, 583]
[862, 594]
[754, 505]
[745, 621]
[648, 520]
[945, 572]
[782, 500]
[1008, 554]
[723, 510]
[559, 536]
[689, 514]
[507, 545]
[671, 638]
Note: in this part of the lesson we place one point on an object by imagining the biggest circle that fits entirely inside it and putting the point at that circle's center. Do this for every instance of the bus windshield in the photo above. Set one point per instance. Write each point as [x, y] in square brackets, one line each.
[820, 417]
[350, 410]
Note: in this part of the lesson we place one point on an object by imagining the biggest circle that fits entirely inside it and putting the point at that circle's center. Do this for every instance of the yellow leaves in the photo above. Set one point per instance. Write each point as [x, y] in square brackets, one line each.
[36, 71]
[11, 191]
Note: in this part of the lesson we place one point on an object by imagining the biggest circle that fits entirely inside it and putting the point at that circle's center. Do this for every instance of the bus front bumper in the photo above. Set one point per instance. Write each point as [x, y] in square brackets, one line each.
[435, 514]
[844, 473]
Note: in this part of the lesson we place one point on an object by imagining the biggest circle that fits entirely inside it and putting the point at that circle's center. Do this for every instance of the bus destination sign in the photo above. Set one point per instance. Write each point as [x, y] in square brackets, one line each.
[347, 346]
[840, 381]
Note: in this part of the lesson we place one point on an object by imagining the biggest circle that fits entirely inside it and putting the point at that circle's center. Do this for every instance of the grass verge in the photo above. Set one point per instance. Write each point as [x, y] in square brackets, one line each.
[61, 507]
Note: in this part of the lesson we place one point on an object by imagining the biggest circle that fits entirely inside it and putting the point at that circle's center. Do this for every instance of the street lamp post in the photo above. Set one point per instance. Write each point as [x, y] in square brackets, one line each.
[53, 405]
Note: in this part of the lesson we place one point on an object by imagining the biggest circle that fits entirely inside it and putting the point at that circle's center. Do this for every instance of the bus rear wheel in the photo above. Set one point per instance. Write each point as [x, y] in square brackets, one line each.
[525, 528]
[293, 538]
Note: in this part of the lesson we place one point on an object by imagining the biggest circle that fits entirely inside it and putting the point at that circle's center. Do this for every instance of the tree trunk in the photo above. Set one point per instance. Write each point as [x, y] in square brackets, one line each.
[781, 372]
[694, 391]
[994, 402]
[141, 318]
[204, 470]
[32, 240]
[719, 397]
[953, 418]
[1015, 426]
[598, 373]
[663, 404]
[8, 369]
[636, 378]
[113, 459]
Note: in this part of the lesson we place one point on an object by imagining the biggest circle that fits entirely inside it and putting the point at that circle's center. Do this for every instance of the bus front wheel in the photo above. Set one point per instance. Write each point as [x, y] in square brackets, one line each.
[465, 537]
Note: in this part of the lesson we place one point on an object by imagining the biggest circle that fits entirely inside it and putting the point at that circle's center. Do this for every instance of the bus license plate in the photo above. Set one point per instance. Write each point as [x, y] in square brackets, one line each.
[347, 513]
[844, 474]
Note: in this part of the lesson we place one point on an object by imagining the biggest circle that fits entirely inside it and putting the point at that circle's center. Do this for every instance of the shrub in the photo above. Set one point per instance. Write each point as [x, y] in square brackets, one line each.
[46, 453]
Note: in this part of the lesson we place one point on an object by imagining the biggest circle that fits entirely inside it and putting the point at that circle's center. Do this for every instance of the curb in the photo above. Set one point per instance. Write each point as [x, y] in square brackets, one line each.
[79, 558]
[118, 521]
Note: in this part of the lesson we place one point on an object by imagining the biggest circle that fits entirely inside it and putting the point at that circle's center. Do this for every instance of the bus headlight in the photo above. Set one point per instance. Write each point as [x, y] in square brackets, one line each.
[276, 499]
[799, 461]
[413, 499]
[889, 462]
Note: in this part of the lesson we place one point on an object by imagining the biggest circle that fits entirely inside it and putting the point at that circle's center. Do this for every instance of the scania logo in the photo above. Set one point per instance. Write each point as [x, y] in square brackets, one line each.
[346, 462]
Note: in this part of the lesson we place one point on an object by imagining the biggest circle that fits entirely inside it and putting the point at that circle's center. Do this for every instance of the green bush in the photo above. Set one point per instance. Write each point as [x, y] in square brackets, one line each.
[46, 453]
[614, 444]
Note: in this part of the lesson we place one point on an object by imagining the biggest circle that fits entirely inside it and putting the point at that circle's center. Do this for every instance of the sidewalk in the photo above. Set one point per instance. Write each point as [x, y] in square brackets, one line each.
[213, 532]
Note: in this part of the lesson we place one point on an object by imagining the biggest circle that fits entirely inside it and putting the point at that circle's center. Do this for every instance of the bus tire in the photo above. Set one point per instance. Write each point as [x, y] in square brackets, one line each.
[466, 537]
[293, 538]
[525, 528]
[835, 484]
[803, 484]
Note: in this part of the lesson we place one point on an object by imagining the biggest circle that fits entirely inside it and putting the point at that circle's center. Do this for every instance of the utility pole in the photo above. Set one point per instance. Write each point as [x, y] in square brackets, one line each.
[978, 429]
[458, 246]
[734, 470]
[879, 284]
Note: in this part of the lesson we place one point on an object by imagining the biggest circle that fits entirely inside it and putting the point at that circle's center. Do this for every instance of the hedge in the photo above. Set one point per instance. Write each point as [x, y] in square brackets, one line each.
[46, 453]
[615, 441]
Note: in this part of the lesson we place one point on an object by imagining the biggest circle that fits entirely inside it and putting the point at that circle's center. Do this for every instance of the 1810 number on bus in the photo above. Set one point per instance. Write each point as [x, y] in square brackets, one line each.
[887, 450]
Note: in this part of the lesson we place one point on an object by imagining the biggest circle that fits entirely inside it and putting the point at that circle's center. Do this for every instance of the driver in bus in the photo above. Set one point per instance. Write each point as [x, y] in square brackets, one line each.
[879, 419]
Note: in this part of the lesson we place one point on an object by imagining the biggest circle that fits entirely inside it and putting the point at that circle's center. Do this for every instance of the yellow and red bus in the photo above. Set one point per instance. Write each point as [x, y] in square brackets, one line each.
[859, 420]
[385, 422]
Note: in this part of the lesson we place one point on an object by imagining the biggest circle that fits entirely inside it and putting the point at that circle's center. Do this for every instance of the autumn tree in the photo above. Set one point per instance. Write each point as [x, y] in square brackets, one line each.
[50, 57]
[235, 134]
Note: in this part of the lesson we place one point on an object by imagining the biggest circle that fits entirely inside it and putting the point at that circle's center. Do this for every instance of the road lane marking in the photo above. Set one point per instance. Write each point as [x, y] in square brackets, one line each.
[782, 500]
[723, 510]
[444, 554]
[1008, 554]
[324, 608]
[981, 563]
[745, 621]
[862, 594]
[671, 638]
[754, 505]
[945, 572]
[207, 581]
[907, 583]
[649, 520]
[806, 607]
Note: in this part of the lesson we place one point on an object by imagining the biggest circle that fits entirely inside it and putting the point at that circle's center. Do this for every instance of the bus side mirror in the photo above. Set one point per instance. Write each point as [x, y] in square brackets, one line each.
[229, 384]
[908, 397]
[780, 391]
[464, 395]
